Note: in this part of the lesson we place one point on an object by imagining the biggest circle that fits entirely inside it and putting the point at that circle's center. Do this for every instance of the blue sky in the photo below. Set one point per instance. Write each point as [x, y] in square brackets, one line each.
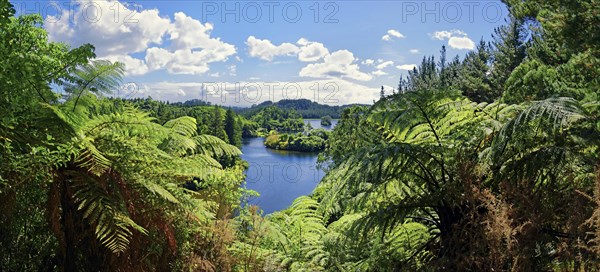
[244, 52]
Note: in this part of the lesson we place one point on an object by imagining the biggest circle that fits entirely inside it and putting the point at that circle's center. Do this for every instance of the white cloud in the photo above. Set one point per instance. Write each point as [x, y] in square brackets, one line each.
[127, 35]
[445, 34]
[311, 51]
[307, 51]
[392, 33]
[414, 51]
[192, 47]
[383, 65]
[457, 39]
[368, 62]
[407, 67]
[266, 50]
[339, 64]
[461, 43]
[188, 60]
[133, 66]
[379, 73]
[395, 33]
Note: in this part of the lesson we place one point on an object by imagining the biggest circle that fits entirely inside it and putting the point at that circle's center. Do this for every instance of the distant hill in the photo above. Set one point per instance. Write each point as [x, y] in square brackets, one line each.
[305, 107]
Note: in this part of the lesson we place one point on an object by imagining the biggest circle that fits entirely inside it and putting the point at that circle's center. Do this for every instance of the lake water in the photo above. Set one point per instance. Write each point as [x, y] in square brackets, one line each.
[280, 176]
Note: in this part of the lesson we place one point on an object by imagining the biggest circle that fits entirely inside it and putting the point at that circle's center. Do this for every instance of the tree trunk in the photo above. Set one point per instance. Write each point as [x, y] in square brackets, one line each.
[68, 226]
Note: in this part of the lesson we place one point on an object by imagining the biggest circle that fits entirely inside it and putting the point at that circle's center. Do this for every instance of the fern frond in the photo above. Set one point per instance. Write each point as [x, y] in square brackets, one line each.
[184, 126]
[213, 146]
[113, 226]
[92, 159]
[158, 190]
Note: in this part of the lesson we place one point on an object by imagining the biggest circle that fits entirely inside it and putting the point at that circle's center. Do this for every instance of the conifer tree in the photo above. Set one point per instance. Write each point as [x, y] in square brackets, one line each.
[218, 127]
[233, 128]
[510, 47]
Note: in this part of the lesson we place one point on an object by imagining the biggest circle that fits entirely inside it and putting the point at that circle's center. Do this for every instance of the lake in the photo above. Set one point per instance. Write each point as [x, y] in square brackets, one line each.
[280, 176]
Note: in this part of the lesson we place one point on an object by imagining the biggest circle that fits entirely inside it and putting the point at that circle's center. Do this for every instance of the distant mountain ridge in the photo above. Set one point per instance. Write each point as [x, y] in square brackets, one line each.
[305, 107]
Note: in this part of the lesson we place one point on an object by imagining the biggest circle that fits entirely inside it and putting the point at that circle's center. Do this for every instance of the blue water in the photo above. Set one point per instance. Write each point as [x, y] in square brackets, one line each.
[280, 176]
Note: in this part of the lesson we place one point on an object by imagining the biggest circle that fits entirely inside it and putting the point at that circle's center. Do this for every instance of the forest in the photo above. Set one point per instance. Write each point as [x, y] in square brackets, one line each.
[489, 162]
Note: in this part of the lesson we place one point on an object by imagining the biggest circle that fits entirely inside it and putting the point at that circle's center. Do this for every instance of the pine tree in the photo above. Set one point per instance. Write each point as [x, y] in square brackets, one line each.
[442, 65]
[233, 128]
[218, 127]
[401, 84]
[509, 51]
[474, 79]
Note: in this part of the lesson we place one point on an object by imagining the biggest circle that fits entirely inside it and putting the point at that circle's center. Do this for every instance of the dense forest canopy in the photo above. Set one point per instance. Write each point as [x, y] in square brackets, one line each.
[486, 163]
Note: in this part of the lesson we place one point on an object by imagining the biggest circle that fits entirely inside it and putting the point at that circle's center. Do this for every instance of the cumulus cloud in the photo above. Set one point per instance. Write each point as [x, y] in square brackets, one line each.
[193, 51]
[392, 33]
[339, 64]
[311, 51]
[305, 50]
[133, 65]
[447, 34]
[109, 37]
[457, 39]
[461, 43]
[266, 50]
[192, 47]
[414, 51]
[406, 67]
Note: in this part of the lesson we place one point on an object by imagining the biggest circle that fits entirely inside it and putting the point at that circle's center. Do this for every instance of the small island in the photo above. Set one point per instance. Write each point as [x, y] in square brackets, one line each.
[326, 121]
[308, 141]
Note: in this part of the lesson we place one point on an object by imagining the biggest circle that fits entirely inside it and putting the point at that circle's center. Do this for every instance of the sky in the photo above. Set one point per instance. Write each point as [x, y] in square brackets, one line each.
[239, 53]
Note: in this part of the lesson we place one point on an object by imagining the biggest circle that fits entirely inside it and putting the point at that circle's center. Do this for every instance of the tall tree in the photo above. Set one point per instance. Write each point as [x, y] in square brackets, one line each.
[218, 126]
[474, 76]
[443, 68]
[509, 50]
[233, 128]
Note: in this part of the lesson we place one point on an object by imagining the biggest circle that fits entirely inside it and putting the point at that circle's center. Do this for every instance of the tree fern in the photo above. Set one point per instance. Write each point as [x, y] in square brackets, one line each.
[99, 77]
[113, 225]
